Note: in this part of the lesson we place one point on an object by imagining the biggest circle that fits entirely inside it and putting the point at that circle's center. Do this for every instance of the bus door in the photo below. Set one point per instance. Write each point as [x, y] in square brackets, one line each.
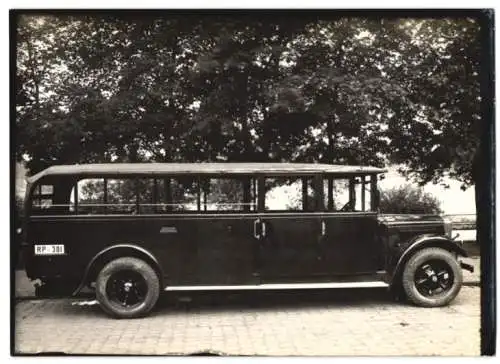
[289, 231]
[226, 249]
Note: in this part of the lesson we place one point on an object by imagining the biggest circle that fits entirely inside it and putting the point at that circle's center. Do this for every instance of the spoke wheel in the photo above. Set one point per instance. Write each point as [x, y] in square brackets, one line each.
[432, 277]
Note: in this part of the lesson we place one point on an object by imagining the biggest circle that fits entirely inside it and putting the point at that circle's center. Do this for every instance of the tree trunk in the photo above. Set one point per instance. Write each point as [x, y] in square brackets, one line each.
[247, 136]
[484, 185]
[248, 153]
[133, 154]
[34, 74]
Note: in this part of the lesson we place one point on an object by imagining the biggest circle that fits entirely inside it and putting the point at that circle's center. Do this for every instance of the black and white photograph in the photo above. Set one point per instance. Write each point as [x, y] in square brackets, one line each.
[252, 182]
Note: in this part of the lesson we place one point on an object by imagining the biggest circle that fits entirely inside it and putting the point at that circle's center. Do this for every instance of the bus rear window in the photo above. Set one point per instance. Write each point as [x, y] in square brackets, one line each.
[42, 199]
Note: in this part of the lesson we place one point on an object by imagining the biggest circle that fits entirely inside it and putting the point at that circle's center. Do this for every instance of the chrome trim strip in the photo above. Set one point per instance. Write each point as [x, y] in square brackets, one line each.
[277, 286]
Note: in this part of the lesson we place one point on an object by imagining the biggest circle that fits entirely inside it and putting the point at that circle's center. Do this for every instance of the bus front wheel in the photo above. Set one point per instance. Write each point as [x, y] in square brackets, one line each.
[127, 288]
[432, 277]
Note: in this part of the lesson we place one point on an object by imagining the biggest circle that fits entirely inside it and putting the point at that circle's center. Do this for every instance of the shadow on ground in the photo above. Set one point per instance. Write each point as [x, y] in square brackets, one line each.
[237, 301]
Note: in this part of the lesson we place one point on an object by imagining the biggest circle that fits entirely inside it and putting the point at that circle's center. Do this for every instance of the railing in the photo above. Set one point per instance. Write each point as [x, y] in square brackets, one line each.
[464, 225]
[463, 221]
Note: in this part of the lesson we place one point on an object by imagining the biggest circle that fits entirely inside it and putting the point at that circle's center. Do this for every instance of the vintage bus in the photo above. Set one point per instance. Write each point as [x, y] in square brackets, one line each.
[132, 231]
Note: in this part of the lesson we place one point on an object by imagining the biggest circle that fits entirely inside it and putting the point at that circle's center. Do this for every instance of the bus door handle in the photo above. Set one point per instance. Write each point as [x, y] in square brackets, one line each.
[256, 233]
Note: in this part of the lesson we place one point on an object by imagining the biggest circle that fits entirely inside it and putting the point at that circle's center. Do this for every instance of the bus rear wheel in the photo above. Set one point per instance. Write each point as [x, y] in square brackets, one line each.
[127, 288]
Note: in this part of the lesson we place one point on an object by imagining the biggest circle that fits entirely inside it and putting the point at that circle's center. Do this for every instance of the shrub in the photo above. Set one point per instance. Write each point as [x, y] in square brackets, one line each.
[408, 199]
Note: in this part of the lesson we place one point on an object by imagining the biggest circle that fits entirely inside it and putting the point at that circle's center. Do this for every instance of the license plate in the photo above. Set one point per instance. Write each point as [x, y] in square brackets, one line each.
[49, 249]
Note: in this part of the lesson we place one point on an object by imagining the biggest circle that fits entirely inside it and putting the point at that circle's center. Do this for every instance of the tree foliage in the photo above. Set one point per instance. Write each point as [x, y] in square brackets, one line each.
[207, 88]
[443, 134]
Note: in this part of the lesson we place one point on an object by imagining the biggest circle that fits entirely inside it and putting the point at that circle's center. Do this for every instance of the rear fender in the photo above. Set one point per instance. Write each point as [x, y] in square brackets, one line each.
[114, 252]
[419, 243]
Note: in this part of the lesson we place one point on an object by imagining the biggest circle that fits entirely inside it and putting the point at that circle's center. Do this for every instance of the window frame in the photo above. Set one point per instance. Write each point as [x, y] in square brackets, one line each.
[321, 203]
[39, 195]
[166, 180]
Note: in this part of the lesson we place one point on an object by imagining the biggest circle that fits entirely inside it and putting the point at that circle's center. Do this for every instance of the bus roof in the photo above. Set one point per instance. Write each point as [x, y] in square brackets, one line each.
[113, 169]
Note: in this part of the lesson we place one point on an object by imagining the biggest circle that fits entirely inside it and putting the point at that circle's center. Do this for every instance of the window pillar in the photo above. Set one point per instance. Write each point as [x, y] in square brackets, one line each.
[261, 194]
[363, 197]
[352, 192]
[374, 193]
[105, 197]
[330, 193]
[76, 198]
[305, 206]
[168, 193]
[319, 193]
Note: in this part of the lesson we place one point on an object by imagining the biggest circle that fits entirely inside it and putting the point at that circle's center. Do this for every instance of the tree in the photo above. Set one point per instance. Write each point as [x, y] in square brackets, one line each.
[109, 92]
[444, 77]
[302, 88]
[408, 199]
[18, 220]
[335, 90]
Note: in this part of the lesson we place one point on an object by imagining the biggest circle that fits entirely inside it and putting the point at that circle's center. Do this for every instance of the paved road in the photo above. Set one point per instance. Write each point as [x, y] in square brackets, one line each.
[340, 322]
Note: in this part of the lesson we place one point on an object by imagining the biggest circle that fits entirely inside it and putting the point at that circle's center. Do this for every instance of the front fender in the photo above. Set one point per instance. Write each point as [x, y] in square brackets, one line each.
[419, 243]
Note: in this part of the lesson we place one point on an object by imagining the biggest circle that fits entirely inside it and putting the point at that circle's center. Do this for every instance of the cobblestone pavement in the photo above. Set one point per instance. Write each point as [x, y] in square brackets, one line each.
[337, 322]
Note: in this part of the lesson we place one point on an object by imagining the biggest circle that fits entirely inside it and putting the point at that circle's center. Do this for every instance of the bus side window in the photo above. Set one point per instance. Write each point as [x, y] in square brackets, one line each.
[289, 194]
[364, 193]
[121, 196]
[224, 194]
[91, 196]
[147, 195]
[340, 194]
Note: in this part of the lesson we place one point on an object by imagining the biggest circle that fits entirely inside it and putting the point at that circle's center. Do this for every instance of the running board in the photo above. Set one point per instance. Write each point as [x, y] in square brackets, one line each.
[270, 286]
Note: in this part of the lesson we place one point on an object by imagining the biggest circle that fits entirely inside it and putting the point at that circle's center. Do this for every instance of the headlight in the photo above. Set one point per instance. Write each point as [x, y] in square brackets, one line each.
[448, 227]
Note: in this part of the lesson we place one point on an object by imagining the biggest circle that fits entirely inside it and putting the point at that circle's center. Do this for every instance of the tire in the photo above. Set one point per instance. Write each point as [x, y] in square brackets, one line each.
[127, 288]
[432, 277]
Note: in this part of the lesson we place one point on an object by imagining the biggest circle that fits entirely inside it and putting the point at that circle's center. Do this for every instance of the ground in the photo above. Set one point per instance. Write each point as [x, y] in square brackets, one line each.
[336, 322]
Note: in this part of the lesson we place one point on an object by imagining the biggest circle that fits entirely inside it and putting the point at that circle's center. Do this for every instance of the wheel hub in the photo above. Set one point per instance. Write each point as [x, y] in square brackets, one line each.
[127, 286]
[433, 278]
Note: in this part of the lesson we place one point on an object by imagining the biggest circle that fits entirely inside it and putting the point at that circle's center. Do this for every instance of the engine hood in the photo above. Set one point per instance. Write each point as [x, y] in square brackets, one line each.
[412, 222]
